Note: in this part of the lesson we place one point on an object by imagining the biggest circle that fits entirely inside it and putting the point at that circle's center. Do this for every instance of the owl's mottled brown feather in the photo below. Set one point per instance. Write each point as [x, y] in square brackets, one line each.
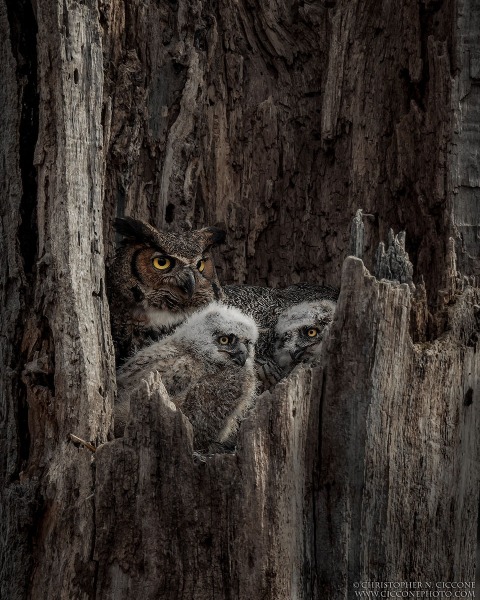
[147, 303]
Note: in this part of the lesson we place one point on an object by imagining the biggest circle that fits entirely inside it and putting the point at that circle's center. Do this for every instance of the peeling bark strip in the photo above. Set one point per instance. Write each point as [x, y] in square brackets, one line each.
[281, 120]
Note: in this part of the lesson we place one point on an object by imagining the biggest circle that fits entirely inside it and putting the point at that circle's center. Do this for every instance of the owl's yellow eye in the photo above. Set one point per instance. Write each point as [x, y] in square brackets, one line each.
[161, 263]
[201, 265]
[223, 339]
[312, 332]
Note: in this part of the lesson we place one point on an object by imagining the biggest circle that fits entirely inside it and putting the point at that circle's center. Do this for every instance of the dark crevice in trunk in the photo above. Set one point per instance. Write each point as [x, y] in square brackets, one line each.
[23, 32]
[23, 28]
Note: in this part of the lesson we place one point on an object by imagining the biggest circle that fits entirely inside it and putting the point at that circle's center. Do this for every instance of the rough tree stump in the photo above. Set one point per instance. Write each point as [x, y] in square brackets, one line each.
[279, 120]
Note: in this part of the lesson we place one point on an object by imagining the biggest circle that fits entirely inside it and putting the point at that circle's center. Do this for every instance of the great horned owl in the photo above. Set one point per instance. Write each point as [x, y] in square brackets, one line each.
[207, 367]
[265, 305]
[300, 331]
[157, 280]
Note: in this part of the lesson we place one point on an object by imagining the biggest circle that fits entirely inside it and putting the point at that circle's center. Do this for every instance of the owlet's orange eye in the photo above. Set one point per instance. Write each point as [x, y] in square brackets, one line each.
[201, 265]
[312, 332]
[223, 339]
[161, 263]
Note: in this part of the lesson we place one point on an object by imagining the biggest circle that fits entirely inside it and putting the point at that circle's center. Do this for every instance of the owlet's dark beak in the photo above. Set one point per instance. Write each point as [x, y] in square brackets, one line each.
[239, 357]
[297, 353]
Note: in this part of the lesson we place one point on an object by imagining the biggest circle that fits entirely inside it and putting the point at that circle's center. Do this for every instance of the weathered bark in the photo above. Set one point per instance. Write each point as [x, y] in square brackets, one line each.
[237, 526]
[61, 319]
[279, 121]
[465, 170]
[398, 479]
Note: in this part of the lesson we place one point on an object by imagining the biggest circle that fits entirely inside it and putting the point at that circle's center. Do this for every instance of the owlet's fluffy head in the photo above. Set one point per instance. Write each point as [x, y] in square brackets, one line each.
[158, 279]
[207, 368]
[219, 334]
[300, 331]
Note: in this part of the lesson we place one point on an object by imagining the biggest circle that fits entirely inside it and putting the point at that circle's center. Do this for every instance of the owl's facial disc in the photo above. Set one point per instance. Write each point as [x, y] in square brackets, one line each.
[307, 342]
[182, 275]
[230, 345]
[296, 345]
[165, 282]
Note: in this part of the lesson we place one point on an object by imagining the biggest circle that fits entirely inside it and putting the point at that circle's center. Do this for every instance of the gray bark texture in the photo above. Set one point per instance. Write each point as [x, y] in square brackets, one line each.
[281, 121]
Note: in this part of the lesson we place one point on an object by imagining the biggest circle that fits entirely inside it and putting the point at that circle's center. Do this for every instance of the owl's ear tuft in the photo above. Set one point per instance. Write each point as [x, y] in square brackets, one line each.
[213, 236]
[135, 230]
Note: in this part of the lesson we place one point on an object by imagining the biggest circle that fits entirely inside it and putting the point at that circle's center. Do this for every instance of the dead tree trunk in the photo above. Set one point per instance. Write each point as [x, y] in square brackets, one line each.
[279, 121]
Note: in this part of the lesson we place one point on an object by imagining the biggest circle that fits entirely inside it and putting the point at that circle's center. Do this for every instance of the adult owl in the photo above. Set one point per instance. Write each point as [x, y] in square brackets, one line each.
[300, 331]
[157, 280]
[207, 367]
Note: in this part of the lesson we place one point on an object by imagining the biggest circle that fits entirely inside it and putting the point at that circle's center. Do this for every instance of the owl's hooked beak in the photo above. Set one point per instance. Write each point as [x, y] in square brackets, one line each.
[297, 353]
[186, 282]
[239, 357]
